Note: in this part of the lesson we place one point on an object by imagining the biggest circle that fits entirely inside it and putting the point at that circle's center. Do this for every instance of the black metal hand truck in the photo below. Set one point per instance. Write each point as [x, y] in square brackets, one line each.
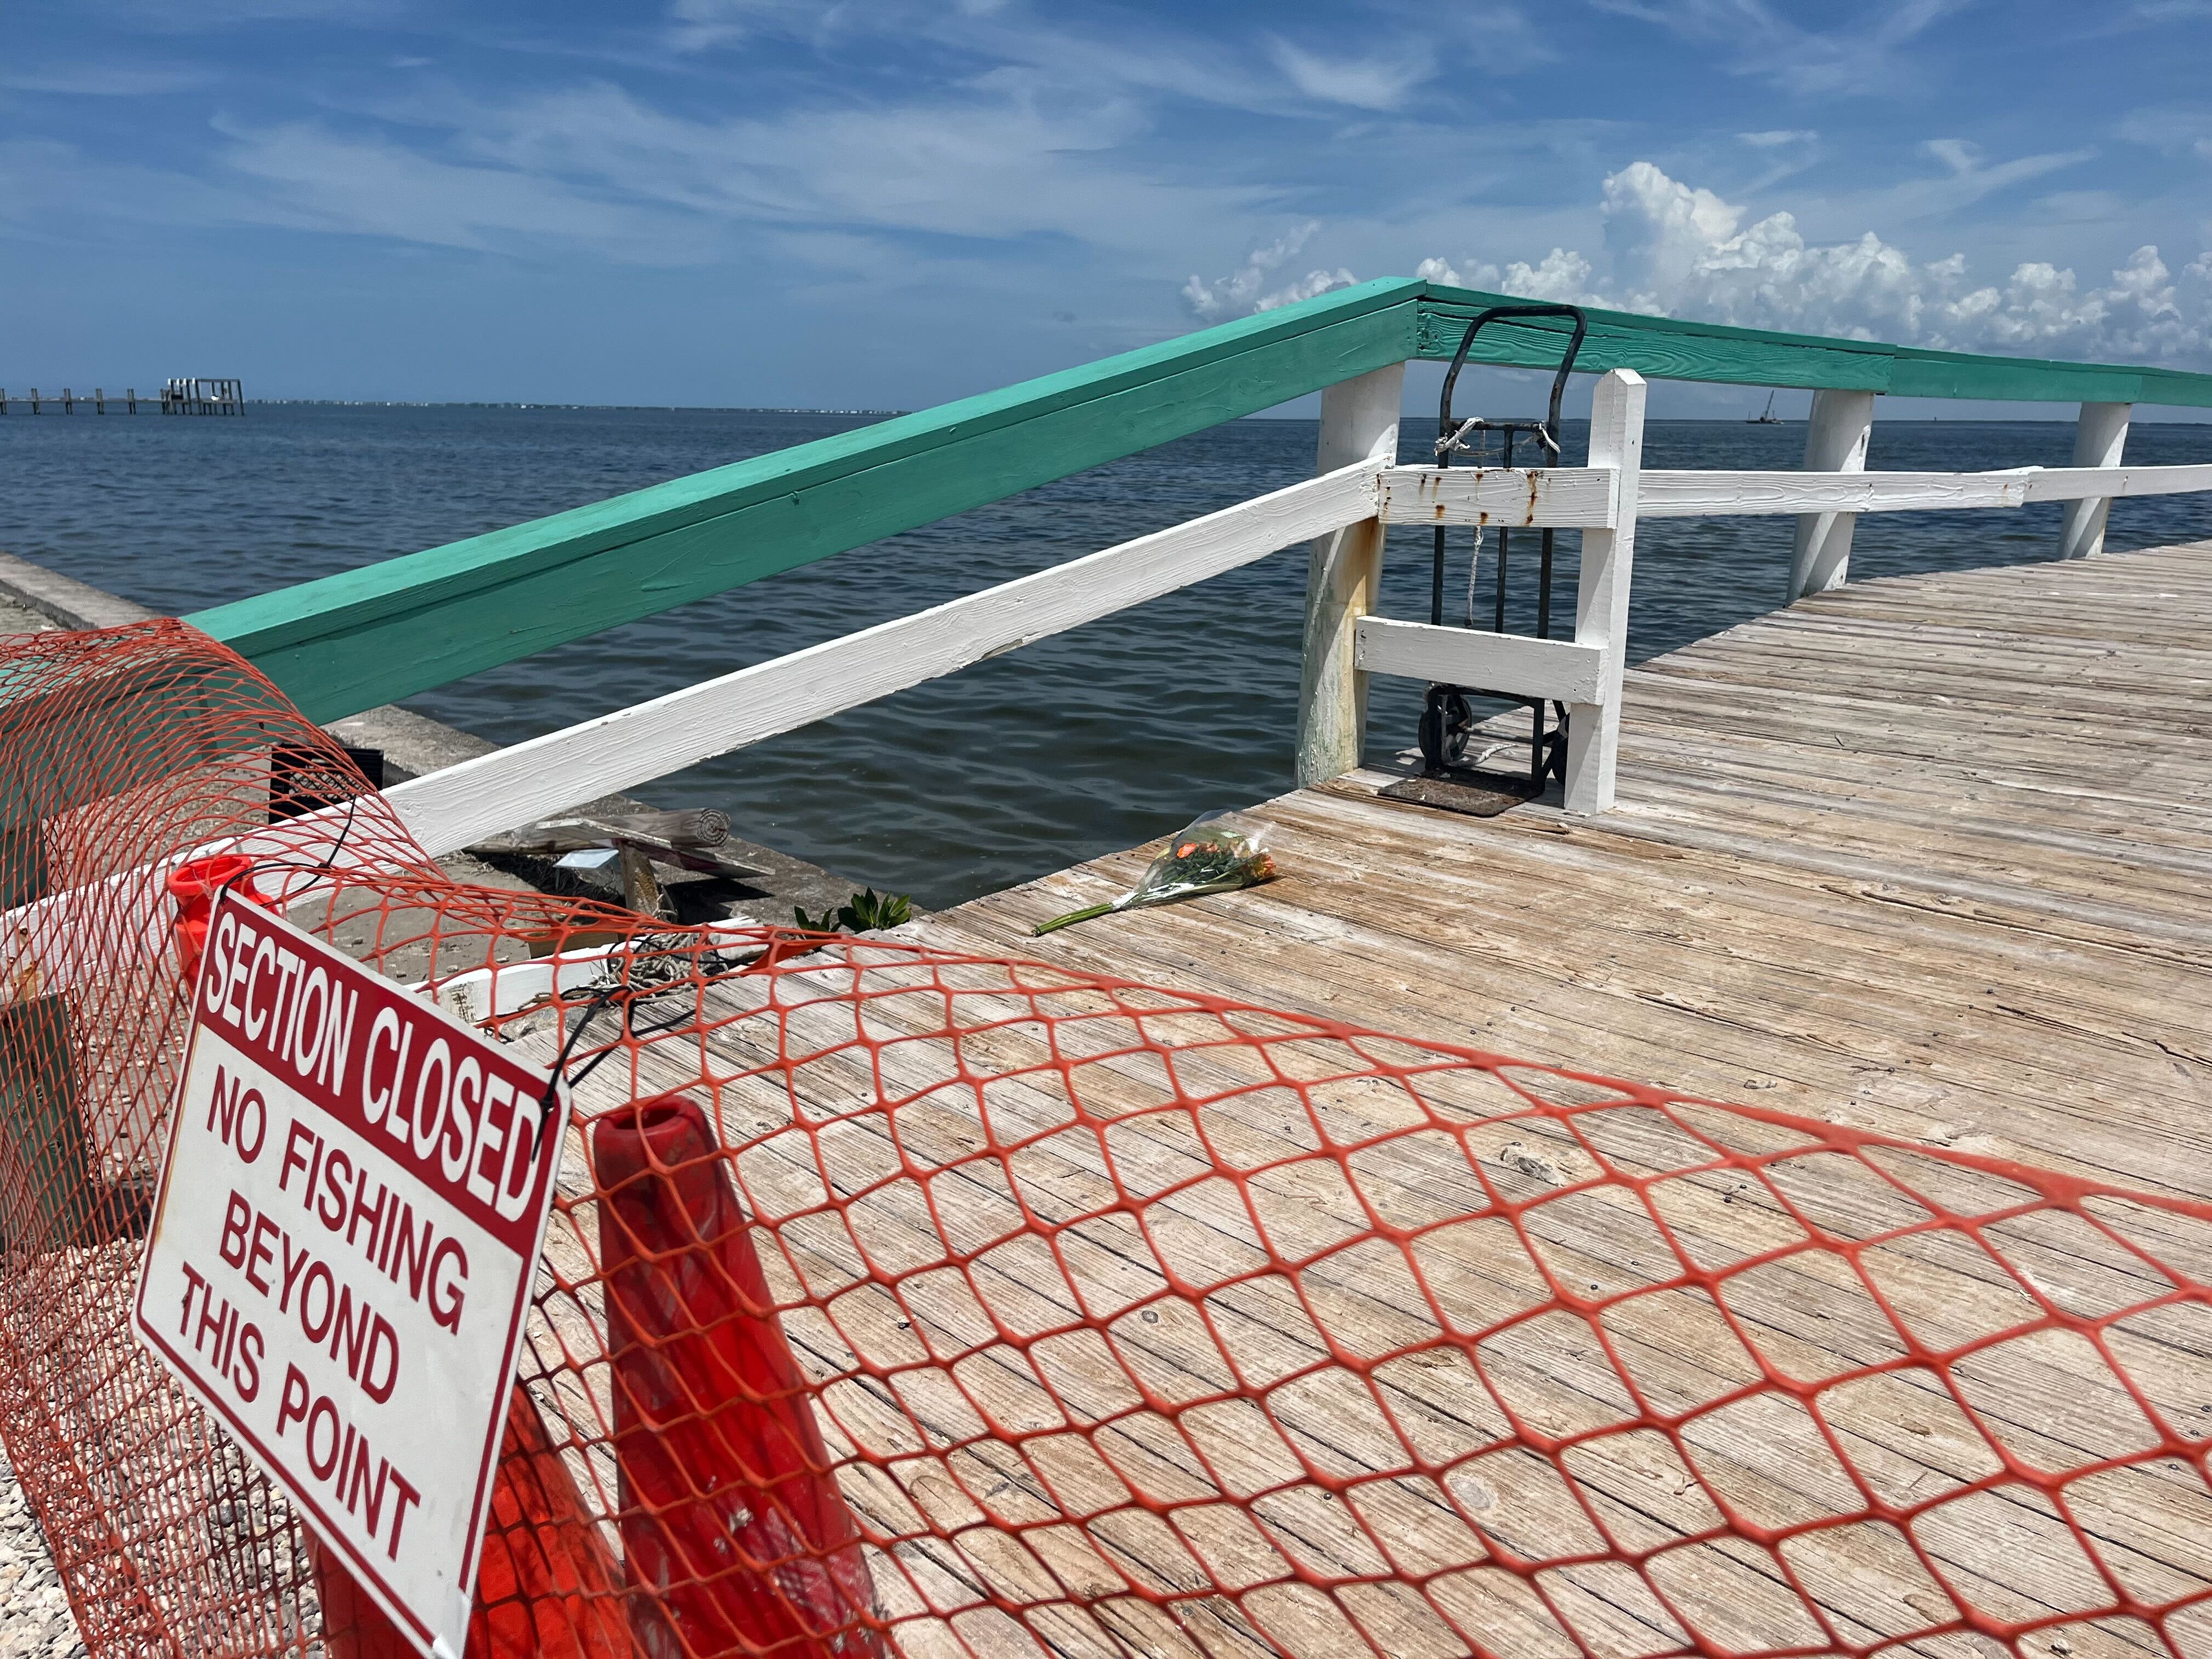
[1447, 718]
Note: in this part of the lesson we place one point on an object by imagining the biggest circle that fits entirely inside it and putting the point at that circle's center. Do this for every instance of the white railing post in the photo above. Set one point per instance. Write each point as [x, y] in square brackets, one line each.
[1835, 441]
[1359, 421]
[1616, 441]
[2101, 433]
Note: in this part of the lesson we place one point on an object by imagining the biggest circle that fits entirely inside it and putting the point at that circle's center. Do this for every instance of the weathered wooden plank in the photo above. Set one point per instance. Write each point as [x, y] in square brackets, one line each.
[1386, 911]
[1556, 1378]
[1560, 670]
[1509, 496]
[1836, 436]
[1344, 568]
[1833, 779]
[1603, 577]
[1382, 953]
[1677, 495]
[1772, 1465]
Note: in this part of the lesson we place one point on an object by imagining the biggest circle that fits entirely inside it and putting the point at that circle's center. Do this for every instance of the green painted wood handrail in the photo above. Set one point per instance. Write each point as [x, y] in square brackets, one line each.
[349, 641]
[1663, 348]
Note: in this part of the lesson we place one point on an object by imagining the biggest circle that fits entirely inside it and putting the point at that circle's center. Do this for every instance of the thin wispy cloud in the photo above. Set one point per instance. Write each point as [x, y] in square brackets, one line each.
[211, 16]
[1866, 52]
[316, 178]
[104, 80]
[1266, 71]
[2173, 131]
[1371, 83]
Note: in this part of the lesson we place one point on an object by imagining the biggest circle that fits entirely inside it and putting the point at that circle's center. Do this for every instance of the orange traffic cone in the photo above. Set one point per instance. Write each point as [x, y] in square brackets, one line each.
[731, 1512]
[546, 1584]
[354, 1626]
[194, 886]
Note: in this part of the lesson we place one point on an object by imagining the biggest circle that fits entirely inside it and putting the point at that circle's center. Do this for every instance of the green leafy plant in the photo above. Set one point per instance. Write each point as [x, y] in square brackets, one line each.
[864, 913]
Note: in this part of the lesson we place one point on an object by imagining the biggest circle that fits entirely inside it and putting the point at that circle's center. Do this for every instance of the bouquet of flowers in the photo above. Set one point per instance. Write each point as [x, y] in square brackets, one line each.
[1220, 852]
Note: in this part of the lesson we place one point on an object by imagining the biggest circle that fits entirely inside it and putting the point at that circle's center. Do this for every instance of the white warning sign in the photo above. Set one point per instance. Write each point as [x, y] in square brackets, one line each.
[343, 1250]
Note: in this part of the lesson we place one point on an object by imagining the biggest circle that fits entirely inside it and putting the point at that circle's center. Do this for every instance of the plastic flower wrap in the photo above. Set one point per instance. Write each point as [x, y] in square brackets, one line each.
[1219, 852]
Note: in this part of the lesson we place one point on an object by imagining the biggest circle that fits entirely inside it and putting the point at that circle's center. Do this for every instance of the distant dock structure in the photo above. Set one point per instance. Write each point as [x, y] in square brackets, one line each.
[182, 395]
[202, 396]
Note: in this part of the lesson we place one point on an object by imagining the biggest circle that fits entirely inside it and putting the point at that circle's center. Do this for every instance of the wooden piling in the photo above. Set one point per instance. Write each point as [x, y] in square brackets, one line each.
[185, 395]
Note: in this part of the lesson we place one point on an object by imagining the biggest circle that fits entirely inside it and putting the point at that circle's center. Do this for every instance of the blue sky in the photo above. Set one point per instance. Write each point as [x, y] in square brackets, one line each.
[748, 202]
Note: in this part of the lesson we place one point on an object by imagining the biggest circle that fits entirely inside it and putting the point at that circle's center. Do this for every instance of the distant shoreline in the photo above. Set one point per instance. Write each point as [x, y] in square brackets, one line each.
[890, 414]
[664, 409]
[2142, 417]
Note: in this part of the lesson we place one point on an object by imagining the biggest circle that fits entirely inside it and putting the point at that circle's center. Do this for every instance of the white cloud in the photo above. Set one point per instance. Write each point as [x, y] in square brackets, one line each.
[1687, 252]
[1956, 154]
[1675, 249]
[1777, 137]
[1245, 289]
[1560, 275]
[1307, 287]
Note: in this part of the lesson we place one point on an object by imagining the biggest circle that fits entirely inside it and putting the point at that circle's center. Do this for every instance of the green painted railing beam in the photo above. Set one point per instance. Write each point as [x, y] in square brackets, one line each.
[389, 630]
[1663, 348]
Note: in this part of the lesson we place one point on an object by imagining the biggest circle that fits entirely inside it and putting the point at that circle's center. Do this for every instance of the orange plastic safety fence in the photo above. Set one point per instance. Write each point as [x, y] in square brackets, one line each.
[896, 1300]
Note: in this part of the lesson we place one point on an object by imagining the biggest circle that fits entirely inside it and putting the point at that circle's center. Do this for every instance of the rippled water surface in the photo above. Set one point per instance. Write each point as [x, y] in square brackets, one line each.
[1081, 744]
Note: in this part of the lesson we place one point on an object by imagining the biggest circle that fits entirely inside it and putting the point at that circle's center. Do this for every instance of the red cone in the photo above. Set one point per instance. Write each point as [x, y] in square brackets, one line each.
[194, 886]
[548, 1584]
[730, 1514]
[354, 1626]
[547, 1587]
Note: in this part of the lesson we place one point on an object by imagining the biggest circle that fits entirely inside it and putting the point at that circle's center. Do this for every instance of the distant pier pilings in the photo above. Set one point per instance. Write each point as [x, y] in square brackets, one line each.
[180, 395]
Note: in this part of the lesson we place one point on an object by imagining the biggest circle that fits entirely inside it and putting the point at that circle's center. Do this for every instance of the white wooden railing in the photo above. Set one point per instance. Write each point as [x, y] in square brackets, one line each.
[1343, 513]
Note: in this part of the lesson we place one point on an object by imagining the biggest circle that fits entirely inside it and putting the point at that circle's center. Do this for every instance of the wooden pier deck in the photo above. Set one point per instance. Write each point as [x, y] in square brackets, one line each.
[1927, 856]
[1930, 855]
